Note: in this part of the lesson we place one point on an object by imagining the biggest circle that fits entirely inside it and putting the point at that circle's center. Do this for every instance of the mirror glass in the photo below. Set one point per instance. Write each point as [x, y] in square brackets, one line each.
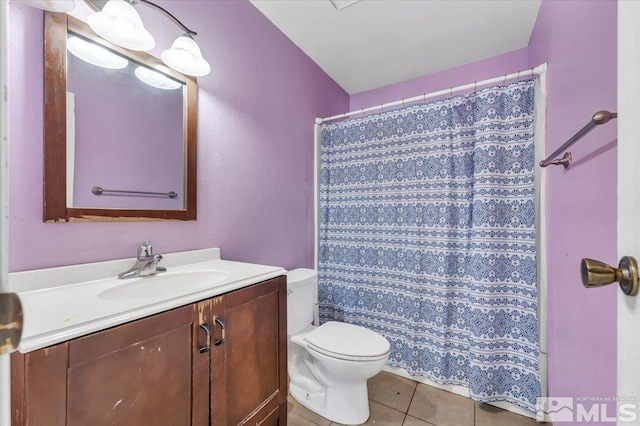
[124, 131]
[120, 137]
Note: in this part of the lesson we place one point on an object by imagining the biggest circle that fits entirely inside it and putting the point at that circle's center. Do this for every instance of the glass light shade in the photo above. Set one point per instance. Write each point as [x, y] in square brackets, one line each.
[52, 5]
[95, 54]
[184, 56]
[156, 79]
[120, 23]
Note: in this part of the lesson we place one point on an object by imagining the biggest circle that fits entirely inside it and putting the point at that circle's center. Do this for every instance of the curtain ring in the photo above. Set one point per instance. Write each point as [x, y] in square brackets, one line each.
[504, 82]
[475, 86]
[424, 97]
[381, 107]
[362, 112]
[451, 91]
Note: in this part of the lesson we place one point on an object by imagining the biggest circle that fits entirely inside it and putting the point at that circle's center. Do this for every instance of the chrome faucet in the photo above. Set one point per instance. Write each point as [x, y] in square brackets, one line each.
[146, 264]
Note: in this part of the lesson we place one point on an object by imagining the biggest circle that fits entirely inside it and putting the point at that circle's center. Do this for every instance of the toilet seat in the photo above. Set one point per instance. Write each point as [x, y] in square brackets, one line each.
[347, 342]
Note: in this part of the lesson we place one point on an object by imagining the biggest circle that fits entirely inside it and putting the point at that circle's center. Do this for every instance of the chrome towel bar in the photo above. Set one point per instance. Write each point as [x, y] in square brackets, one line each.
[96, 190]
[600, 117]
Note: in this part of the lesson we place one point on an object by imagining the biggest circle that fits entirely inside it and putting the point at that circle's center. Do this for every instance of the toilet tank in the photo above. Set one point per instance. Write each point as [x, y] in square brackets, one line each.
[301, 298]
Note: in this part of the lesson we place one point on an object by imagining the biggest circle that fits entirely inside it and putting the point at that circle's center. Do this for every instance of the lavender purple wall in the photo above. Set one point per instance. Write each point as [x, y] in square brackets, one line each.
[578, 40]
[255, 139]
[128, 136]
[489, 68]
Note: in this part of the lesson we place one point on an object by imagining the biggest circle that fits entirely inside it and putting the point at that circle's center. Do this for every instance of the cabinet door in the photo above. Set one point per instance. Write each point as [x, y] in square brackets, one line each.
[138, 373]
[249, 374]
[135, 374]
[38, 387]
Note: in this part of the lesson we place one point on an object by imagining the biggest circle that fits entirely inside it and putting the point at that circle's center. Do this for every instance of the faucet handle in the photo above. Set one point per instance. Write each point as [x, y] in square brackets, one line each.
[145, 249]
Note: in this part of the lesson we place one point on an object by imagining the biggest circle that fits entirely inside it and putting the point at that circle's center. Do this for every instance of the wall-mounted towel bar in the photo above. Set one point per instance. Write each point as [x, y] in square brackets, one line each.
[96, 190]
[600, 117]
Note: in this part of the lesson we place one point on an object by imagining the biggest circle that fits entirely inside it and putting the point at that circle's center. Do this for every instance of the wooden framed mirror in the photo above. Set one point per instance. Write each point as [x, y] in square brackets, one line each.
[125, 151]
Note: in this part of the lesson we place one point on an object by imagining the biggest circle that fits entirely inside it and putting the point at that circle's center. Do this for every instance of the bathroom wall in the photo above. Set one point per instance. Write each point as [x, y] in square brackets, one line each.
[578, 40]
[493, 67]
[255, 139]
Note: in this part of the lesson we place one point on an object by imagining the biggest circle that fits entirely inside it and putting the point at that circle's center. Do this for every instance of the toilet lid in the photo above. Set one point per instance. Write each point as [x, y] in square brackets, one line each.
[347, 341]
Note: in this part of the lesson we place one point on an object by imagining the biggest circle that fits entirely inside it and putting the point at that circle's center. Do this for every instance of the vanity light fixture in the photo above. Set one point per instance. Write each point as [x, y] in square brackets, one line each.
[184, 56]
[156, 79]
[95, 54]
[119, 22]
[51, 5]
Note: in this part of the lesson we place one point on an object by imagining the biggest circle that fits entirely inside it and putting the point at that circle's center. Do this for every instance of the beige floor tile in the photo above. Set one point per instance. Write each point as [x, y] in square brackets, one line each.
[441, 408]
[296, 420]
[299, 410]
[412, 421]
[488, 415]
[391, 390]
[382, 415]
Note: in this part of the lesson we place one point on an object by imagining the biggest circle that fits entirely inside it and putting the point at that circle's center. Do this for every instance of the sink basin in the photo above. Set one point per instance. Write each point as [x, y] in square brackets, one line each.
[164, 285]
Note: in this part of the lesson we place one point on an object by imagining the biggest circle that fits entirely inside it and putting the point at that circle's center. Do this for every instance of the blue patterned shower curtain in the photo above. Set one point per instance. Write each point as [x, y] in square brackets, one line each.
[427, 236]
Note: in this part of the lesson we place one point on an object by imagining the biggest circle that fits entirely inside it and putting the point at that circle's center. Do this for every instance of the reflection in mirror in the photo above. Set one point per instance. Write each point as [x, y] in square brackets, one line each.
[118, 120]
[127, 134]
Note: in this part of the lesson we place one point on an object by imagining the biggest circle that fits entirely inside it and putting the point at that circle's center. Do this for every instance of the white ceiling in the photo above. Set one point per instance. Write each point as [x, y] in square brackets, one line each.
[373, 43]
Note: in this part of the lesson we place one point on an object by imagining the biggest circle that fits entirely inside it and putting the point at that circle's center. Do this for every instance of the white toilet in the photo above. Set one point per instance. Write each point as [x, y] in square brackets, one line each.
[329, 365]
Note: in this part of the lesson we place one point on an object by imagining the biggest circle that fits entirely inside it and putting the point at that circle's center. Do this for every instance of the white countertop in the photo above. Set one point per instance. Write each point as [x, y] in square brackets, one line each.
[73, 309]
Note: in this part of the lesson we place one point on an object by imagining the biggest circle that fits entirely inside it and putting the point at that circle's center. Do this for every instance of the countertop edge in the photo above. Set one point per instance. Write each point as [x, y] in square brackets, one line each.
[44, 340]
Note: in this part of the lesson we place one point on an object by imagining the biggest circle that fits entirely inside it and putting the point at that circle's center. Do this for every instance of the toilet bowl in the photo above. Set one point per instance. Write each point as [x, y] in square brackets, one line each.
[329, 365]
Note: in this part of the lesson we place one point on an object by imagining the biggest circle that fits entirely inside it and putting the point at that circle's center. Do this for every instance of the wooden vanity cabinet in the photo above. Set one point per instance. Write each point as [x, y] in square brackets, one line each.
[221, 361]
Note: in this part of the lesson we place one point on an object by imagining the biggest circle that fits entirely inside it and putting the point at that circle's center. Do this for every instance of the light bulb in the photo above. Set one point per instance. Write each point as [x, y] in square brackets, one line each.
[95, 54]
[184, 56]
[156, 79]
[120, 23]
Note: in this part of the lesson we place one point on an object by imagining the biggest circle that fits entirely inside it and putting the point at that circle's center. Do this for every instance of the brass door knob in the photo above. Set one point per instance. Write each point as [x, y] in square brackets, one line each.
[597, 274]
[10, 322]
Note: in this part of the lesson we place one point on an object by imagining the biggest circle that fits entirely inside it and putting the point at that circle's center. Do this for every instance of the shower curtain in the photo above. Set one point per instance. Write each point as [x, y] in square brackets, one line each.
[427, 236]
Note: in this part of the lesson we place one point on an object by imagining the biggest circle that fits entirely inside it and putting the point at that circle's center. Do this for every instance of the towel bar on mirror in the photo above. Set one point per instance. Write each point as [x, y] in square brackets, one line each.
[96, 190]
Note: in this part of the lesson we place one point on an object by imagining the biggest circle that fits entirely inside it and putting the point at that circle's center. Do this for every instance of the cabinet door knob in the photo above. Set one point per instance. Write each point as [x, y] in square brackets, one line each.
[220, 322]
[597, 274]
[207, 330]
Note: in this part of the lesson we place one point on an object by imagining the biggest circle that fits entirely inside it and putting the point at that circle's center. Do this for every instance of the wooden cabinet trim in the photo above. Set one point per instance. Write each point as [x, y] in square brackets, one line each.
[264, 411]
[17, 388]
[98, 344]
[218, 368]
[247, 294]
[283, 341]
[201, 366]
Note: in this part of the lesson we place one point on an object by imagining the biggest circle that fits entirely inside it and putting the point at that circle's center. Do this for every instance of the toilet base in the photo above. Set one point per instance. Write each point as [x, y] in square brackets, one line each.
[348, 405]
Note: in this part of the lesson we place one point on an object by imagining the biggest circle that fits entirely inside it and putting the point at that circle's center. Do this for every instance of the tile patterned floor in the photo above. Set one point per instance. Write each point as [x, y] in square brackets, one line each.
[396, 401]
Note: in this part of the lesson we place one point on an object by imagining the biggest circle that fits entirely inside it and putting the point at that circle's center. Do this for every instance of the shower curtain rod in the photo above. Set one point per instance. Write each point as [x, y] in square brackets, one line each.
[540, 69]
